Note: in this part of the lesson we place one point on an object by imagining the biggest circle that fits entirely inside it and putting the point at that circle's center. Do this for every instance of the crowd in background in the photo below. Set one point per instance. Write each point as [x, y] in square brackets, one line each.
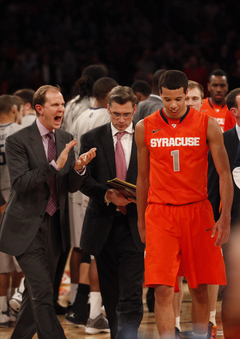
[53, 41]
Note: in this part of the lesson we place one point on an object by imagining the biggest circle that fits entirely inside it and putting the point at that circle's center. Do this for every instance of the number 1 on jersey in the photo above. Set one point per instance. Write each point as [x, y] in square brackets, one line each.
[176, 165]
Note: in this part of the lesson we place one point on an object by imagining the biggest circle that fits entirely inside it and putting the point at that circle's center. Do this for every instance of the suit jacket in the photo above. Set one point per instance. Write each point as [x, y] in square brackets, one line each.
[29, 173]
[231, 143]
[99, 217]
[147, 107]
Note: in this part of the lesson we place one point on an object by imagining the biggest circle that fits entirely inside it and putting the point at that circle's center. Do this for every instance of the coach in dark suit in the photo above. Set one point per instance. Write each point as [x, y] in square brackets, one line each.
[109, 234]
[231, 141]
[35, 222]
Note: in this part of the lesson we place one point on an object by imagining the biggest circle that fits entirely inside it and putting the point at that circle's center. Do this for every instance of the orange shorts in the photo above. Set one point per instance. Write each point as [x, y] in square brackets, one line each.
[180, 236]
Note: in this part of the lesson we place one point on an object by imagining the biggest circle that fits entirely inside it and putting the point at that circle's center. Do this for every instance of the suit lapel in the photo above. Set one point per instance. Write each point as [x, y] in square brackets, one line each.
[108, 148]
[60, 142]
[234, 135]
[36, 143]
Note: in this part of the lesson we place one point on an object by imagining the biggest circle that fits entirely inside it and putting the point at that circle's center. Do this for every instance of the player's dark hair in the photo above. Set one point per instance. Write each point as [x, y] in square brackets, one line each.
[90, 75]
[173, 79]
[141, 86]
[102, 87]
[217, 72]
[6, 103]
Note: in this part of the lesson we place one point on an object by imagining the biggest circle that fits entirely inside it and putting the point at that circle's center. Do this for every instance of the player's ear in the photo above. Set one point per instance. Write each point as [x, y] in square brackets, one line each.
[14, 109]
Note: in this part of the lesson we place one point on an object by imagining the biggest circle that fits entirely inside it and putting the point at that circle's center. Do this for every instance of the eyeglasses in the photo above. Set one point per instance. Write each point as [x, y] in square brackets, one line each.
[119, 115]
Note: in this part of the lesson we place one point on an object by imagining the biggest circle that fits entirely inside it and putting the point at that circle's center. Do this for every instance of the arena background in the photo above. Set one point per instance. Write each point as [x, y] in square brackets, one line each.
[51, 41]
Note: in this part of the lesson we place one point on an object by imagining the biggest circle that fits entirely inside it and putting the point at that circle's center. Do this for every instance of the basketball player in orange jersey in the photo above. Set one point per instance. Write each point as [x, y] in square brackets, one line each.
[175, 218]
[215, 105]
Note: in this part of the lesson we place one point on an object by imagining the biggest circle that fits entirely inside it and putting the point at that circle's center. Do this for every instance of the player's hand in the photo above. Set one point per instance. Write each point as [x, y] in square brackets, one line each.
[61, 160]
[85, 158]
[222, 226]
[117, 198]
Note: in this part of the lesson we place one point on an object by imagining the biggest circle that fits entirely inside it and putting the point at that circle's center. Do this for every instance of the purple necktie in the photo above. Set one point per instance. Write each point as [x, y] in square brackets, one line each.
[52, 155]
[121, 167]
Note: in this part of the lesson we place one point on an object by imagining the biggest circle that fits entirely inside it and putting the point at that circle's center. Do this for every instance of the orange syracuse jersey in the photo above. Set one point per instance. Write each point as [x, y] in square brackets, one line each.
[220, 113]
[178, 158]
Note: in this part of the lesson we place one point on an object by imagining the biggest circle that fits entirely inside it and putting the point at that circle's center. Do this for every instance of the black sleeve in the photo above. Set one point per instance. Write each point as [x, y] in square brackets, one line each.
[213, 187]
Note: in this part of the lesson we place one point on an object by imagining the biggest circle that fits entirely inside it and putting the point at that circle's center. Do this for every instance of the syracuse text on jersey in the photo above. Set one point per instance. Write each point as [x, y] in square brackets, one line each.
[177, 141]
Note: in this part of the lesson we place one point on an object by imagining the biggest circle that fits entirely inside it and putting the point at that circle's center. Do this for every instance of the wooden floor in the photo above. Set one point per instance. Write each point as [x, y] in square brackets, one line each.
[147, 329]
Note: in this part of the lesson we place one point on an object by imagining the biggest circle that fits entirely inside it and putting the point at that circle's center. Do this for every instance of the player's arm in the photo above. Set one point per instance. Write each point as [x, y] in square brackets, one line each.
[220, 158]
[143, 177]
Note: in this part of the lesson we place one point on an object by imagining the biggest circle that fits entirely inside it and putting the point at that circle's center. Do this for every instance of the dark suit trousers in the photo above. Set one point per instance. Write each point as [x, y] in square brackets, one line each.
[39, 263]
[120, 268]
[59, 272]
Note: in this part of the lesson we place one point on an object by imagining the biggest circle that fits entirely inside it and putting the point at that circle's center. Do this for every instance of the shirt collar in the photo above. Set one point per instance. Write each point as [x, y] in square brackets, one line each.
[42, 129]
[129, 129]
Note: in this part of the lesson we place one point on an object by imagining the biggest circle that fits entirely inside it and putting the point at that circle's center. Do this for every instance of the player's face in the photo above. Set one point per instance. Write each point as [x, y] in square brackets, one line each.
[52, 111]
[174, 102]
[193, 98]
[121, 115]
[218, 88]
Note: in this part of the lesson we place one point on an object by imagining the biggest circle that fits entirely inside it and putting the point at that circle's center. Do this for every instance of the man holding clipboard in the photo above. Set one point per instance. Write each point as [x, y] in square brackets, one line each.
[110, 230]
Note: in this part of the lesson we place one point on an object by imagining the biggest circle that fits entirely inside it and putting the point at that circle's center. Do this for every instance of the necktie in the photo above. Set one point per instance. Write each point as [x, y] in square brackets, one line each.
[52, 155]
[121, 167]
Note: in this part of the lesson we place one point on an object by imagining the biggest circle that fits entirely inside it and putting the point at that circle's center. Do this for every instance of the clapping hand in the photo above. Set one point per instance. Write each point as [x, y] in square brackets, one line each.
[84, 159]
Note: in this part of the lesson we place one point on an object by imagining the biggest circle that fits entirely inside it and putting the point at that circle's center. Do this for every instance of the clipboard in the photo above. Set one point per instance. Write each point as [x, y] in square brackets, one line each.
[126, 187]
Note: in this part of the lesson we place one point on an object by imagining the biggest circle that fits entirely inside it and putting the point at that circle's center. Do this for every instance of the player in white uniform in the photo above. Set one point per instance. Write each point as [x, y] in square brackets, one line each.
[10, 116]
